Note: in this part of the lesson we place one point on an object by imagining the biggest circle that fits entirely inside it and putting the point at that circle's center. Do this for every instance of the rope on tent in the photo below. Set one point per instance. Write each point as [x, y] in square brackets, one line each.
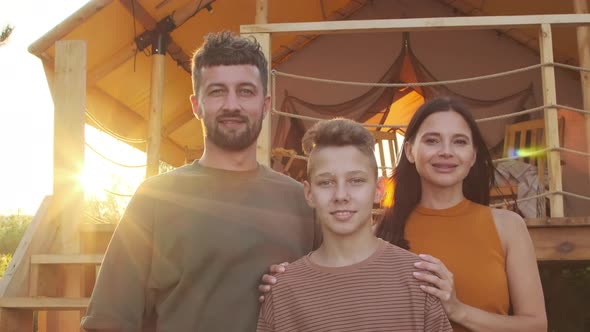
[585, 154]
[310, 118]
[563, 65]
[509, 115]
[112, 133]
[573, 109]
[567, 193]
[418, 84]
[112, 161]
[398, 126]
[545, 194]
[491, 118]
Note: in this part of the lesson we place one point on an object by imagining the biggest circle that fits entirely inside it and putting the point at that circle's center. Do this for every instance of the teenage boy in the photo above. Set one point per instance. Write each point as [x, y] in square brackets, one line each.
[354, 281]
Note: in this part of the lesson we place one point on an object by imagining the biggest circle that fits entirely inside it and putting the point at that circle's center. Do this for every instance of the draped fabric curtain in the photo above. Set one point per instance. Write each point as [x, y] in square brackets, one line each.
[375, 103]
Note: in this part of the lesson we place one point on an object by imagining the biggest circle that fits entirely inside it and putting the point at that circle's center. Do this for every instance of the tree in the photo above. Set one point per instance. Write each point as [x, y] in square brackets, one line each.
[6, 31]
[12, 229]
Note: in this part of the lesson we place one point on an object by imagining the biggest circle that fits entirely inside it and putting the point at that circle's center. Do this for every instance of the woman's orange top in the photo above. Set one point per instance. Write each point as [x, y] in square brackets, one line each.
[465, 239]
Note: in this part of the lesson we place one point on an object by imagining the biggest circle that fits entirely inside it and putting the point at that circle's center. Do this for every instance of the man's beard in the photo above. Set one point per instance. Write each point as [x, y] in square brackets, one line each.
[233, 140]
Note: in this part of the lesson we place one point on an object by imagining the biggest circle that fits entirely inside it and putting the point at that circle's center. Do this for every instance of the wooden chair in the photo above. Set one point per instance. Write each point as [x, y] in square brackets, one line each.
[388, 151]
[524, 138]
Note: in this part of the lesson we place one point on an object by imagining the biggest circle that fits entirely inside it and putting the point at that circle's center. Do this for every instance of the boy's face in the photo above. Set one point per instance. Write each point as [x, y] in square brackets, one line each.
[342, 187]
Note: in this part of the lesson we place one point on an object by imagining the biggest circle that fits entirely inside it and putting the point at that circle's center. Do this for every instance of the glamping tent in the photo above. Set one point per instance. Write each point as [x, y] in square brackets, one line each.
[427, 57]
[124, 67]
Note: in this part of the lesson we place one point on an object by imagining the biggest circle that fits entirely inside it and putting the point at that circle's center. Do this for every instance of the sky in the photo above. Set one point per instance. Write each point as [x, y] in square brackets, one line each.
[26, 116]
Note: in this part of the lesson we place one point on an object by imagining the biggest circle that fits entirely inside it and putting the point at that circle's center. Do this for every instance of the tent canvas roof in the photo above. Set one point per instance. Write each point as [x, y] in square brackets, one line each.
[118, 73]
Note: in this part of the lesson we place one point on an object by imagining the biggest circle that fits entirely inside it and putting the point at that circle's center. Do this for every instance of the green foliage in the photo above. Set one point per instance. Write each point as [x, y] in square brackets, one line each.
[4, 261]
[108, 208]
[12, 229]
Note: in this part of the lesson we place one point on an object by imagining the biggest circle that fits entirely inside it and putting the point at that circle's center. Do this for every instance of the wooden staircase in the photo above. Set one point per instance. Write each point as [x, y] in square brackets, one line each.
[38, 285]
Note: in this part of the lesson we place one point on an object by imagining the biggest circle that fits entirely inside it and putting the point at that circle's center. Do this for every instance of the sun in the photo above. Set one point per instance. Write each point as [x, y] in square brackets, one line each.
[91, 182]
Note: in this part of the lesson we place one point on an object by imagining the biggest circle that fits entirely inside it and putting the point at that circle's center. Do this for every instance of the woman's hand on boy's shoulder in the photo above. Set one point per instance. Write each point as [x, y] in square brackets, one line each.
[269, 279]
[441, 283]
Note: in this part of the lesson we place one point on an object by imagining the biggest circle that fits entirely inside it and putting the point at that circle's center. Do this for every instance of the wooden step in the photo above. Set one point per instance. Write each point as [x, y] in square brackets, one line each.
[44, 303]
[66, 259]
[97, 228]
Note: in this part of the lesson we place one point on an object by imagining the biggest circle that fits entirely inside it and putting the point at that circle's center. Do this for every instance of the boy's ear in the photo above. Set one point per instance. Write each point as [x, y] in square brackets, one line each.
[307, 192]
[380, 189]
[195, 106]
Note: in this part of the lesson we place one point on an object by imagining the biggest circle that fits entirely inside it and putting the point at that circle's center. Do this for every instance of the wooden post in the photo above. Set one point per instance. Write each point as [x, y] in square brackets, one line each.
[551, 127]
[69, 115]
[154, 136]
[68, 151]
[263, 145]
[583, 34]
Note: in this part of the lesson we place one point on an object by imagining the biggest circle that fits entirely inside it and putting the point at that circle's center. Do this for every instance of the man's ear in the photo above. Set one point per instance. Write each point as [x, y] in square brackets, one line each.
[408, 152]
[266, 107]
[307, 193]
[195, 106]
[380, 189]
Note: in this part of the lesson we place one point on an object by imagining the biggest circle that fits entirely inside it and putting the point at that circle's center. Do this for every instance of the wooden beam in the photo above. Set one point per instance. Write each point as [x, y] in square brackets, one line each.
[561, 243]
[136, 10]
[69, 148]
[44, 259]
[115, 60]
[154, 137]
[419, 24]
[263, 144]
[560, 238]
[149, 23]
[66, 26]
[583, 36]
[181, 15]
[44, 303]
[179, 121]
[557, 222]
[261, 12]
[97, 228]
[69, 115]
[551, 125]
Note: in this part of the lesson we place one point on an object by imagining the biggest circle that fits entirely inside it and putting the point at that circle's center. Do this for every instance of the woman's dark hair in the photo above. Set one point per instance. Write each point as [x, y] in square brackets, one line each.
[408, 189]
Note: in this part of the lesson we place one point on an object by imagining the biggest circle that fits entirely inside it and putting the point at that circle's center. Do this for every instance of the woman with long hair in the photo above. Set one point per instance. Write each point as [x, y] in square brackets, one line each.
[480, 261]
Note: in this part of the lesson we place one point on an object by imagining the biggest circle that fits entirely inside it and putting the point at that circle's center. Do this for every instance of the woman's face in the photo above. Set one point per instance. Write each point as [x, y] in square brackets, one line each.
[443, 151]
